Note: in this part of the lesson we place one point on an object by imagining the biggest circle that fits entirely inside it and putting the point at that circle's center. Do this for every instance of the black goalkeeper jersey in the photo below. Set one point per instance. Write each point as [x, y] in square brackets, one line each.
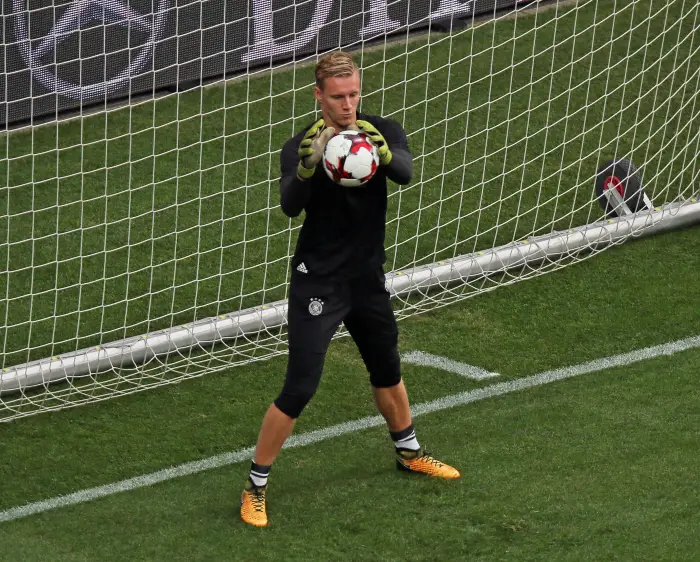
[344, 228]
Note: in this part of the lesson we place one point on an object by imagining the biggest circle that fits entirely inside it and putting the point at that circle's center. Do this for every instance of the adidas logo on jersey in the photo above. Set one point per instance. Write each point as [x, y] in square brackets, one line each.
[301, 267]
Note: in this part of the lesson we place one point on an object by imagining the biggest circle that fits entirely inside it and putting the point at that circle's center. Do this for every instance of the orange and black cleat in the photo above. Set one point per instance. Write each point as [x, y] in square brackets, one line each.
[253, 509]
[424, 463]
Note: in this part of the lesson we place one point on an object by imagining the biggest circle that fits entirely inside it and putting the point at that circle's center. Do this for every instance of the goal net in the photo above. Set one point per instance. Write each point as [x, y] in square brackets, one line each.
[141, 237]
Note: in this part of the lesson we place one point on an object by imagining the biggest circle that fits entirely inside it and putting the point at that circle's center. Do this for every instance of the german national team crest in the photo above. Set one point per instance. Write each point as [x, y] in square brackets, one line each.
[315, 307]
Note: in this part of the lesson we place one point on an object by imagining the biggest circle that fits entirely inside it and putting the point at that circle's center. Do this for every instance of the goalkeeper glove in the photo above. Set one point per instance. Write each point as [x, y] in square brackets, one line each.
[378, 139]
[311, 148]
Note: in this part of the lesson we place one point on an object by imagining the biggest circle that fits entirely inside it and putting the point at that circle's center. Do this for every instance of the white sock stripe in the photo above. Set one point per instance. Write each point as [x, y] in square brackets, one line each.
[410, 444]
[260, 474]
[258, 481]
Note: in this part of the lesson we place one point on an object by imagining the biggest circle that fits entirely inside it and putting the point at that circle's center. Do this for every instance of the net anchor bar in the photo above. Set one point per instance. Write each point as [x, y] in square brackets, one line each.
[461, 269]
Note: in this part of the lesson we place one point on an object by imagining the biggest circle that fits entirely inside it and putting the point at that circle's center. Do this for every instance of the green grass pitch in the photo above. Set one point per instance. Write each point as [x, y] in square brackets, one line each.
[168, 210]
[600, 467]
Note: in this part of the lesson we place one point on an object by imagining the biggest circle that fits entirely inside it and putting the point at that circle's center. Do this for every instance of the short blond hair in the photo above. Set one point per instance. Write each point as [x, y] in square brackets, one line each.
[336, 63]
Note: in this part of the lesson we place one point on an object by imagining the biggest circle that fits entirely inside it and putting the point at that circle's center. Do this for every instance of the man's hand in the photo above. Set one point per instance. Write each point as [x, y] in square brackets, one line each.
[378, 139]
[311, 148]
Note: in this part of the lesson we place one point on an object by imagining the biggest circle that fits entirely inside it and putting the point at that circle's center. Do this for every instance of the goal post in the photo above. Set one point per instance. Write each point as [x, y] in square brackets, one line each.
[142, 238]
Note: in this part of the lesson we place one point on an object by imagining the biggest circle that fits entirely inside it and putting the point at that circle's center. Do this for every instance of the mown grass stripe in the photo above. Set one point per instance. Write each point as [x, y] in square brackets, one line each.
[318, 435]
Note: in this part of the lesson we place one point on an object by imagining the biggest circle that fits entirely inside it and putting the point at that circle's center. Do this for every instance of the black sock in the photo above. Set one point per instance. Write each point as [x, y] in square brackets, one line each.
[258, 475]
[405, 439]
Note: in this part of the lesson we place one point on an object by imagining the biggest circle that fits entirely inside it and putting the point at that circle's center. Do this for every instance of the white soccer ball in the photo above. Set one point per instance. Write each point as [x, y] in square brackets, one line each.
[350, 158]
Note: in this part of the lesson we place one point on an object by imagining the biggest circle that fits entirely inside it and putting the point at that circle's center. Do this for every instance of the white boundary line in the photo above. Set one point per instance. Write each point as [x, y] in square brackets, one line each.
[438, 362]
[352, 426]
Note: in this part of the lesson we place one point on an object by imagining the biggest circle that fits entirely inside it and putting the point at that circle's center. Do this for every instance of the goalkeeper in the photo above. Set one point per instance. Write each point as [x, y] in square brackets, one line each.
[337, 276]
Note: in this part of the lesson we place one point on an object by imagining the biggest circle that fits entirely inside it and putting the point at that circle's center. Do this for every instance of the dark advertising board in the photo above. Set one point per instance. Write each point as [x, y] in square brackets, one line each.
[60, 55]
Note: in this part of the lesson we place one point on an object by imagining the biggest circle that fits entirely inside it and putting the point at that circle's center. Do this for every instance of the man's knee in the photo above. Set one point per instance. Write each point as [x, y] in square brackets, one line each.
[293, 403]
[384, 366]
[303, 375]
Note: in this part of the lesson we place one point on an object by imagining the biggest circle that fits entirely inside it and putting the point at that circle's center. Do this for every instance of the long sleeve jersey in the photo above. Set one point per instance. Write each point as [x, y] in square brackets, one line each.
[344, 227]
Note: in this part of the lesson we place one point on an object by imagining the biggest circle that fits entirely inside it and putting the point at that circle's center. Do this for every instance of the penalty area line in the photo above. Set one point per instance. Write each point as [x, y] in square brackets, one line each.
[438, 362]
[318, 435]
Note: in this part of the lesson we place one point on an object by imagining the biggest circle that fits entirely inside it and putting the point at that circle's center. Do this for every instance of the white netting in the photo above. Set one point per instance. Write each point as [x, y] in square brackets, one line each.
[164, 212]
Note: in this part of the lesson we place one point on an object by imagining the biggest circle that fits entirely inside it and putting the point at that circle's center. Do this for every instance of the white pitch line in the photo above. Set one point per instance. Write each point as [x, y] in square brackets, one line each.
[352, 426]
[438, 362]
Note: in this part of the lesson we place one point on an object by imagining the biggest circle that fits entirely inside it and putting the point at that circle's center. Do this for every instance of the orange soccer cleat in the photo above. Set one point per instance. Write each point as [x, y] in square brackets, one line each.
[253, 509]
[424, 463]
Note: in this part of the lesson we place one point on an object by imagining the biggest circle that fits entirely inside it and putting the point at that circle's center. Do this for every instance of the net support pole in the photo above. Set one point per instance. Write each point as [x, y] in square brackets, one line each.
[501, 259]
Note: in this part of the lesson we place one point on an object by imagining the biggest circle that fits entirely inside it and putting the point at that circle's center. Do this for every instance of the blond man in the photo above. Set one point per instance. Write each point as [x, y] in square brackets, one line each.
[337, 276]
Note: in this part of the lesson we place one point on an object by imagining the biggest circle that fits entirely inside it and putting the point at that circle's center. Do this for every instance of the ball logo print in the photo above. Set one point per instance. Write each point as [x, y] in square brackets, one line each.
[41, 55]
[315, 307]
[350, 158]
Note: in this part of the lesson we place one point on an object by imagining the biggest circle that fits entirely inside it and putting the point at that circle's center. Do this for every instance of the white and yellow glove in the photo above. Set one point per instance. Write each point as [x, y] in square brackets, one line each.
[378, 139]
[311, 148]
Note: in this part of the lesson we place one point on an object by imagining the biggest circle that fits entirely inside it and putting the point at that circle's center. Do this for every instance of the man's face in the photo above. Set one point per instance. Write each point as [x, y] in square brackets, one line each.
[338, 100]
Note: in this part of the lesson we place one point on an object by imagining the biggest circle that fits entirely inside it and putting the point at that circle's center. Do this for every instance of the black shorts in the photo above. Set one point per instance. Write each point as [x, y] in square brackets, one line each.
[317, 307]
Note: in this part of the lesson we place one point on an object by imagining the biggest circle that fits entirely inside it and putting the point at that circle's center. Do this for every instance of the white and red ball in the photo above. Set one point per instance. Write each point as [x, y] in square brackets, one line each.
[350, 158]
